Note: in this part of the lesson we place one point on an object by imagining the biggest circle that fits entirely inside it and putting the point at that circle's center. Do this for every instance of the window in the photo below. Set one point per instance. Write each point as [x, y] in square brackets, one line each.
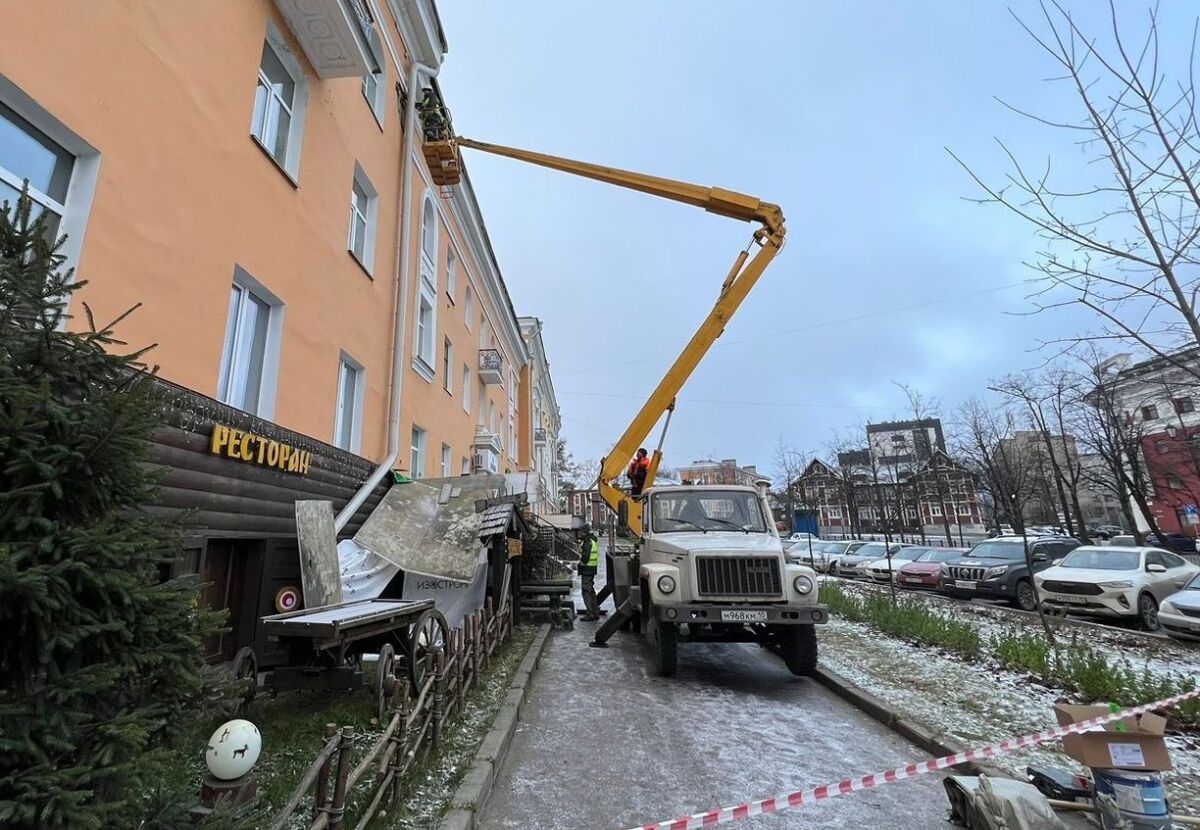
[484, 338]
[451, 274]
[935, 509]
[418, 453]
[964, 510]
[447, 362]
[279, 103]
[250, 355]
[427, 302]
[466, 388]
[465, 467]
[469, 310]
[374, 89]
[364, 204]
[834, 512]
[512, 412]
[1173, 481]
[347, 421]
[1162, 447]
[1150, 412]
[1184, 405]
[446, 455]
[61, 168]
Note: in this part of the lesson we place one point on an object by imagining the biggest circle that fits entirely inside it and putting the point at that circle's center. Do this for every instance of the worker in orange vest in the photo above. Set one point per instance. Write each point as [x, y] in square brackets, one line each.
[639, 468]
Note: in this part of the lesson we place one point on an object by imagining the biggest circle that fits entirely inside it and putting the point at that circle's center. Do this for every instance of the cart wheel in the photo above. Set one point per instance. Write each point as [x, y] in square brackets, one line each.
[385, 679]
[244, 669]
[425, 640]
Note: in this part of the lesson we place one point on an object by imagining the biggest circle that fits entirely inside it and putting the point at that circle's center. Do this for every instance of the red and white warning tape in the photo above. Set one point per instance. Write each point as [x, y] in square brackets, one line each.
[792, 800]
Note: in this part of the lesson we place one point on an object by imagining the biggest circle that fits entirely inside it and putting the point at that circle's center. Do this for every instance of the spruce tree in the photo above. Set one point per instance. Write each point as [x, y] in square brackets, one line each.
[99, 656]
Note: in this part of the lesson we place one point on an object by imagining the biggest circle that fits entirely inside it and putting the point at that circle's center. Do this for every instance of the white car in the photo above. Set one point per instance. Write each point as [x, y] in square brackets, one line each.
[1114, 582]
[1179, 614]
[878, 570]
[797, 537]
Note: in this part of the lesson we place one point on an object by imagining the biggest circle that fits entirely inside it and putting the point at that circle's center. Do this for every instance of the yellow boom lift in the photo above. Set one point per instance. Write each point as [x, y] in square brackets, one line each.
[767, 238]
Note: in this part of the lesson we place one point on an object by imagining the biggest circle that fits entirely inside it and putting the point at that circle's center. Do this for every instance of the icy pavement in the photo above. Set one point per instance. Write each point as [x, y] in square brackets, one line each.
[606, 745]
[974, 703]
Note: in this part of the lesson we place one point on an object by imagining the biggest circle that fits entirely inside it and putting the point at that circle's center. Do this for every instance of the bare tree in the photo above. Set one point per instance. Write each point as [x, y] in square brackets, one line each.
[1124, 247]
[790, 464]
[987, 440]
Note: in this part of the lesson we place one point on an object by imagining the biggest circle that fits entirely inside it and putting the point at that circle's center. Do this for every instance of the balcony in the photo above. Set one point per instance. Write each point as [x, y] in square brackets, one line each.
[539, 437]
[488, 441]
[491, 366]
[338, 36]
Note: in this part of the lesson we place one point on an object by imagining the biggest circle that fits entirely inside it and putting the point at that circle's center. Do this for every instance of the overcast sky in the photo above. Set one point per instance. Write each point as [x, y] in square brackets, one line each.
[838, 112]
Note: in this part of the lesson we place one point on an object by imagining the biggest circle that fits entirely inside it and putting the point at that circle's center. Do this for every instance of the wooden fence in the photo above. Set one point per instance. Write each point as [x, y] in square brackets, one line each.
[415, 726]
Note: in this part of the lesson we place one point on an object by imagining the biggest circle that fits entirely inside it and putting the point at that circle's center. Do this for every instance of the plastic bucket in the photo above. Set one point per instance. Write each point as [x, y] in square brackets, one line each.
[1137, 797]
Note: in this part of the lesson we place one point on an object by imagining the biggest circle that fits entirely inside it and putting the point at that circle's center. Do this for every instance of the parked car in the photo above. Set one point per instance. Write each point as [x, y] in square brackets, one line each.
[925, 571]
[804, 537]
[824, 556]
[879, 570]
[996, 568]
[1106, 531]
[1115, 582]
[1177, 542]
[1179, 613]
[854, 565]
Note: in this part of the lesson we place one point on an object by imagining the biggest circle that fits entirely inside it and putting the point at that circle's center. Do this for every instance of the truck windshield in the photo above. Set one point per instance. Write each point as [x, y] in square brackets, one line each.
[691, 510]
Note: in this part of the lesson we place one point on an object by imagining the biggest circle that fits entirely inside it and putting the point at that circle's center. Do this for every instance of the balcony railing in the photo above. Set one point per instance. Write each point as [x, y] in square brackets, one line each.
[491, 366]
[338, 36]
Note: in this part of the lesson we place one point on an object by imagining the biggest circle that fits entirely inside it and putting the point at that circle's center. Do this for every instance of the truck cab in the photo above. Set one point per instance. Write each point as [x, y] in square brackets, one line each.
[711, 568]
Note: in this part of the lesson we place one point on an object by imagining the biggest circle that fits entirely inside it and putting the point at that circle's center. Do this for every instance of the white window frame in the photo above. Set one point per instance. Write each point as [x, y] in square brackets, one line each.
[465, 467]
[365, 209]
[447, 460]
[77, 207]
[469, 307]
[447, 364]
[349, 366]
[376, 99]
[834, 512]
[451, 273]
[290, 163]
[467, 380]
[425, 354]
[268, 384]
[417, 452]
[935, 510]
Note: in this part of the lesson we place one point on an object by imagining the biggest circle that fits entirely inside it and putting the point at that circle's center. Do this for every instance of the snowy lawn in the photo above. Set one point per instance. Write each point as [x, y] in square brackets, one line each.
[978, 702]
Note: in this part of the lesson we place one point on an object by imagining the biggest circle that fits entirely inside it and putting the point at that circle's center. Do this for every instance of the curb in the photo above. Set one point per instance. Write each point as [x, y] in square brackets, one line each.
[883, 712]
[473, 791]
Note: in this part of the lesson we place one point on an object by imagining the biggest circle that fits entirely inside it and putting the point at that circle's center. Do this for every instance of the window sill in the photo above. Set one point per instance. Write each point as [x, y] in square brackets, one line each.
[361, 265]
[262, 147]
[423, 369]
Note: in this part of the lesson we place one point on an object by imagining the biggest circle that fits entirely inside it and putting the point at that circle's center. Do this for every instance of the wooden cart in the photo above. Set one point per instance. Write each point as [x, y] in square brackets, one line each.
[325, 646]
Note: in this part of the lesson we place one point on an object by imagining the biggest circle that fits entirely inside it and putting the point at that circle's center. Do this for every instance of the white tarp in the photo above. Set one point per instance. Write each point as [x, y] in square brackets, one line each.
[364, 574]
[455, 599]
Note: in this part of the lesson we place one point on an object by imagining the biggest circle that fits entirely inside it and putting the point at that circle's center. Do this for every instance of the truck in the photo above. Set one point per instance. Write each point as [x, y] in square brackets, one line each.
[708, 565]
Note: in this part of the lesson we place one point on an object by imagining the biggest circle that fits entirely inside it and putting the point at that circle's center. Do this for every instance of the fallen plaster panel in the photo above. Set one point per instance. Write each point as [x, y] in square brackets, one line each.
[413, 531]
[320, 573]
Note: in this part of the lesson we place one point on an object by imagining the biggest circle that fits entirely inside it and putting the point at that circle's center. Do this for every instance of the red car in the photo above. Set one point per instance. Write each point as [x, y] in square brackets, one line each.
[926, 570]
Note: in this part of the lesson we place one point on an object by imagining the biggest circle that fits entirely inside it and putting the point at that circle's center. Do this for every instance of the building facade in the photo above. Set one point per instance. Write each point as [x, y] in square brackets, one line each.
[544, 425]
[725, 471]
[249, 174]
[905, 443]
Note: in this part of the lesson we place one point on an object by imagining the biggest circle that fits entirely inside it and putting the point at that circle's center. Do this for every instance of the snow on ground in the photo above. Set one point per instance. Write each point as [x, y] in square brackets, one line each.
[974, 703]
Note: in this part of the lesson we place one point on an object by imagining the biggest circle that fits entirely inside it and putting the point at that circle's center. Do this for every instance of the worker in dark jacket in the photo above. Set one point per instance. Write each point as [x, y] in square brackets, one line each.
[589, 563]
[639, 468]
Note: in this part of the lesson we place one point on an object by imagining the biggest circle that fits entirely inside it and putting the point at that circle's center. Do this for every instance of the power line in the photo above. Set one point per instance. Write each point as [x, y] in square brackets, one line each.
[796, 404]
[814, 326]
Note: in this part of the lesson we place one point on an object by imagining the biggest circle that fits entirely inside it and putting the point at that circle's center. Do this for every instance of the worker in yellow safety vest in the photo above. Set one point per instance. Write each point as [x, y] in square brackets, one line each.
[589, 563]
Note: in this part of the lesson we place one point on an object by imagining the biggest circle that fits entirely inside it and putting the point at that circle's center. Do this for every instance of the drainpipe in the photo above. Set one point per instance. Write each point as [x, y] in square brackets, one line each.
[399, 324]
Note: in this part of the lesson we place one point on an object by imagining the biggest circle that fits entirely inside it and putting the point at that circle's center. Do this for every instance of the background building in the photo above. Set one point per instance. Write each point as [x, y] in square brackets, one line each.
[905, 443]
[725, 471]
[545, 421]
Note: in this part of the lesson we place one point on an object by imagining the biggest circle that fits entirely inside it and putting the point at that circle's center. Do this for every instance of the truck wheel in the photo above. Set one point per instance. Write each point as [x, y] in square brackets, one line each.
[800, 649]
[1024, 599]
[666, 648]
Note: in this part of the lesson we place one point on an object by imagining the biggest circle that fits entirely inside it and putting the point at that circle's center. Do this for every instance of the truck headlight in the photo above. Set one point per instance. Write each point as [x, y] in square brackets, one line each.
[666, 583]
[802, 584]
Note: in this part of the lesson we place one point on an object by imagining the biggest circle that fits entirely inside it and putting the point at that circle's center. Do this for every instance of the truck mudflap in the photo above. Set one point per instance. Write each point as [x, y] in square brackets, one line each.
[743, 614]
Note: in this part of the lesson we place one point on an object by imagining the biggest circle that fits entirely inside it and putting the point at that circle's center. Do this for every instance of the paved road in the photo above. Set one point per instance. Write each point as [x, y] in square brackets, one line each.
[605, 745]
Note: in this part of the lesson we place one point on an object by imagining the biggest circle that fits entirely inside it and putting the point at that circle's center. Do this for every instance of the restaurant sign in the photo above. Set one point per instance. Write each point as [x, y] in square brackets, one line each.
[255, 449]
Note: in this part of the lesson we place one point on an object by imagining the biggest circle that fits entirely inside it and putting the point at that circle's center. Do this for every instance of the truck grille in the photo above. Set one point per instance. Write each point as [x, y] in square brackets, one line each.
[719, 576]
[965, 572]
[1082, 588]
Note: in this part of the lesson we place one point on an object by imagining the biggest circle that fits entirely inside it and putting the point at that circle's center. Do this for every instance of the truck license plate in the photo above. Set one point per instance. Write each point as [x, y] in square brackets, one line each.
[968, 584]
[743, 616]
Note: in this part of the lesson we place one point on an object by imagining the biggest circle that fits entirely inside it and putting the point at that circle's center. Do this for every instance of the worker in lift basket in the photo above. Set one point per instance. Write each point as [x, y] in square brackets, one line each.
[589, 563]
[639, 468]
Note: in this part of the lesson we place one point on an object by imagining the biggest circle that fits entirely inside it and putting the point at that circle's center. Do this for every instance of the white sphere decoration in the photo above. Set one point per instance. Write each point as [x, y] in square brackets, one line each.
[233, 749]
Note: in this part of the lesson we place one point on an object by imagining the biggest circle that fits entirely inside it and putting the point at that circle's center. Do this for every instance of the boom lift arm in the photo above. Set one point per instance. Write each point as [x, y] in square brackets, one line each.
[741, 278]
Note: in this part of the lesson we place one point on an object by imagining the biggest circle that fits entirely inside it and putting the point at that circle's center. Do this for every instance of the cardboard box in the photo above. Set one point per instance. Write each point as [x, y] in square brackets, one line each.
[1130, 743]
